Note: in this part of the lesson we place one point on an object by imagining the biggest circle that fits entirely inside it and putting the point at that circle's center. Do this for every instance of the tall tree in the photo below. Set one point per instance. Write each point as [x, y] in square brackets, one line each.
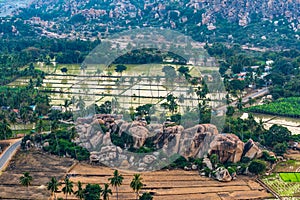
[67, 103]
[26, 180]
[136, 184]
[68, 188]
[13, 118]
[157, 80]
[79, 192]
[80, 103]
[106, 192]
[116, 181]
[239, 103]
[52, 185]
[5, 130]
[92, 191]
[39, 126]
[120, 68]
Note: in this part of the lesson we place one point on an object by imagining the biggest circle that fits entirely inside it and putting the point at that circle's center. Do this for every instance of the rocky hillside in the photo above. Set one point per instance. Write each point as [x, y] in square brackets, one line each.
[118, 143]
[252, 21]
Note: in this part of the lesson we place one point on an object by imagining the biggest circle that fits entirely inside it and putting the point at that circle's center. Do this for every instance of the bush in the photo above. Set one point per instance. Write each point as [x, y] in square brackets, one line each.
[231, 170]
[280, 148]
[146, 196]
[257, 167]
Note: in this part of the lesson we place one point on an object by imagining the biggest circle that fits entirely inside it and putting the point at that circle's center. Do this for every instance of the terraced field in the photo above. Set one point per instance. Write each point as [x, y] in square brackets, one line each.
[173, 185]
[41, 167]
[282, 188]
[137, 85]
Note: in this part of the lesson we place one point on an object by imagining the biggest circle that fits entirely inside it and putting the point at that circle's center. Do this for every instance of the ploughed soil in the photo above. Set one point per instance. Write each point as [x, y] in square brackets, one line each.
[172, 185]
[164, 185]
[41, 167]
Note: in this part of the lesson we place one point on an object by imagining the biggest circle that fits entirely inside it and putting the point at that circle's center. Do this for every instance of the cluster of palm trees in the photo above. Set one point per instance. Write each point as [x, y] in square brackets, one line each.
[115, 181]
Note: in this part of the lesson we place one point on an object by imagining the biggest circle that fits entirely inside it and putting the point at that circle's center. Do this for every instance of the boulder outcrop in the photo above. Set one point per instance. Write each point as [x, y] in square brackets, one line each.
[168, 138]
[252, 150]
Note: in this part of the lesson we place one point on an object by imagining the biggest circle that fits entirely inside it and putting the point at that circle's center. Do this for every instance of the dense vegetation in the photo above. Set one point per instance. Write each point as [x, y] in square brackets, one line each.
[288, 107]
[17, 54]
[276, 138]
[58, 143]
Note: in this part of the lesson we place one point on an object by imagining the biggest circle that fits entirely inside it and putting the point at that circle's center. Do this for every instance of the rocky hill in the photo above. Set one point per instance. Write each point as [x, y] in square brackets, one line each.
[243, 21]
[113, 142]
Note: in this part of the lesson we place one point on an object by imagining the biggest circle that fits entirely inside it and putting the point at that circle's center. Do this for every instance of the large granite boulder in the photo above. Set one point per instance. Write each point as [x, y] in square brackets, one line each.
[222, 174]
[228, 147]
[197, 142]
[139, 134]
[251, 150]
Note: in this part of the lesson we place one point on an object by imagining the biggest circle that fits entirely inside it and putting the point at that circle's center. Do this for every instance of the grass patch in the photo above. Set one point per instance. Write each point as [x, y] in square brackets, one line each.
[287, 166]
[290, 176]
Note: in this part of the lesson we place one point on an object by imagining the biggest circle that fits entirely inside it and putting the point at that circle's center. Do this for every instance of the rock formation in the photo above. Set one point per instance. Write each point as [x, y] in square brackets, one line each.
[169, 139]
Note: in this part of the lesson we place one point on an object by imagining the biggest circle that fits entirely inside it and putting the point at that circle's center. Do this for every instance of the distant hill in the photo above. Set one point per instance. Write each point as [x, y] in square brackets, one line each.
[268, 23]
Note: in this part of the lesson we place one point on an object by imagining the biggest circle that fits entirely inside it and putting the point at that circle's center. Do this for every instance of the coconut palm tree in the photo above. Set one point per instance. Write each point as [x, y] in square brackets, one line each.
[157, 80]
[190, 92]
[80, 103]
[39, 126]
[80, 191]
[73, 101]
[52, 185]
[67, 103]
[5, 129]
[68, 189]
[131, 81]
[149, 80]
[136, 184]
[239, 103]
[13, 118]
[106, 192]
[139, 79]
[116, 181]
[26, 180]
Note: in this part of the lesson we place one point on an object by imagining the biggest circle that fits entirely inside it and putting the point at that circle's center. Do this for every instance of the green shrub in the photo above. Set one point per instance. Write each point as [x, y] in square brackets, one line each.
[257, 167]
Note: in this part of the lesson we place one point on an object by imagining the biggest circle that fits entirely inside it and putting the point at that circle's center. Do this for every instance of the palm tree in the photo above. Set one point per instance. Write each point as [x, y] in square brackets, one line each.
[26, 180]
[67, 103]
[80, 191]
[131, 81]
[73, 101]
[139, 79]
[136, 184]
[68, 189]
[80, 103]
[190, 92]
[181, 98]
[239, 104]
[149, 80]
[5, 129]
[116, 181]
[53, 186]
[13, 118]
[39, 126]
[157, 80]
[106, 192]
